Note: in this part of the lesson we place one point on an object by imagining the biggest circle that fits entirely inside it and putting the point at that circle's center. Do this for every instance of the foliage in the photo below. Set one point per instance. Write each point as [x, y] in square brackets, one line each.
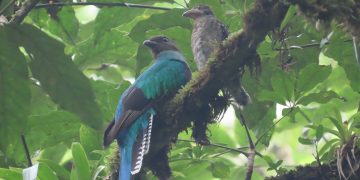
[63, 69]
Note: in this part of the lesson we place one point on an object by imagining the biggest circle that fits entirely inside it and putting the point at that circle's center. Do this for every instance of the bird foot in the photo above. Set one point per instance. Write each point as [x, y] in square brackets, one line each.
[204, 141]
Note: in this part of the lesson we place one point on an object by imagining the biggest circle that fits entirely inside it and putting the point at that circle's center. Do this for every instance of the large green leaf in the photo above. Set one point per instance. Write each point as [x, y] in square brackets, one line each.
[173, 18]
[50, 129]
[9, 174]
[59, 76]
[320, 97]
[109, 17]
[283, 85]
[60, 171]
[15, 93]
[220, 170]
[46, 173]
[113, 47]
[107, 95]
[90, 139]
[343, 52]
[310, 76]
[81, 162]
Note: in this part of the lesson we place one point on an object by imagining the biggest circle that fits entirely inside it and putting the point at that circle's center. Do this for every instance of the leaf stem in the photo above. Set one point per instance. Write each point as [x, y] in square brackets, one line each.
[220, 146]
[262, 135]
[23, 11]
[101, 4]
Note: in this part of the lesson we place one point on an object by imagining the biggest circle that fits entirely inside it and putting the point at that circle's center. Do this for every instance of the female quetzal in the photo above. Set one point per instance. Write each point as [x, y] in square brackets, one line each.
[133, 119]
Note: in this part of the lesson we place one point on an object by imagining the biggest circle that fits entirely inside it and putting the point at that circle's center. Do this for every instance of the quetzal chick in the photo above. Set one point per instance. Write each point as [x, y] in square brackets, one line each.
[133, 120]
[208, 33]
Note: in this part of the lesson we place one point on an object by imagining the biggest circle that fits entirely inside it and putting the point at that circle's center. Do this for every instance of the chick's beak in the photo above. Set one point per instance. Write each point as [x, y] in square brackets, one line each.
[149, 43]
[192, 13]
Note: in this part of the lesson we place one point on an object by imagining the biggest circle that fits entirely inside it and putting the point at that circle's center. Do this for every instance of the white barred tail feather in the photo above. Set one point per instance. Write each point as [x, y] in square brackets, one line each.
[141, 147]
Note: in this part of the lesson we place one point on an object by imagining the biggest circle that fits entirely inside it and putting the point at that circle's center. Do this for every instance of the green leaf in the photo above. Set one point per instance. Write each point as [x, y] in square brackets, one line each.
[173, 18]
[60, 171]
[310, 76]
[283, 85]
[319, 132]
[278, 163]
[220, 170]
[327, 130]
[272, 165]
[45, 172]
[306, 141]
[90, 139]
[340, 127]
[327, 145]
[291, 112]
[320, 97]
[107, 96]
[289, 15]
[64, 24]
[15, 93]
[9, 174]
[342, 51]
[9, 9]
[51, 129]
[98, 171]
[266, 95]
[114, 47]
[59, 76]
[354, 122]
[109, 17]
[81, 161]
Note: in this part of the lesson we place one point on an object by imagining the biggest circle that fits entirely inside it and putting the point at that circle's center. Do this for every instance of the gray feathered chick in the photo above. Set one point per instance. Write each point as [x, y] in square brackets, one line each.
[208, 32]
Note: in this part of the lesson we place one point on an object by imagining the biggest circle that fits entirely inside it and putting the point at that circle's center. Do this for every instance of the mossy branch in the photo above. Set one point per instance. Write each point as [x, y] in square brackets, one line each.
[345, 13]
[196, 98]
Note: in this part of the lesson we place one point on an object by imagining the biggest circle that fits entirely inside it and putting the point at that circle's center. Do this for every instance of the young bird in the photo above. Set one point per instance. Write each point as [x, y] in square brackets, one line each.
[133, 120]
[208, 32]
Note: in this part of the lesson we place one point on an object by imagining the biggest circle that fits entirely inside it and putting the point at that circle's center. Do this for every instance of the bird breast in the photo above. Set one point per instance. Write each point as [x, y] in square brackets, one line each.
[206, 36]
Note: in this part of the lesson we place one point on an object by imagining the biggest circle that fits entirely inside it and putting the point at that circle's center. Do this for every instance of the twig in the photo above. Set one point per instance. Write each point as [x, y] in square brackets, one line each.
[23, 11]
[6, 6]
[272, 126]
[356, 50]
[101, 4]
[220, 146]
[305, 46]
[26, 150]
[299, 47]
[252, 151]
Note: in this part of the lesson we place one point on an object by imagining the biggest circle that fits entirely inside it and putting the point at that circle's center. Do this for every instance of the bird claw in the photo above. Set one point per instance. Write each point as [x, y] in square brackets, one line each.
[204, 141]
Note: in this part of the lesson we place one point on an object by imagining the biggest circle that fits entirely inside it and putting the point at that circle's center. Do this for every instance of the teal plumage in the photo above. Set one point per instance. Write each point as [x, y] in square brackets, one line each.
[134, 114]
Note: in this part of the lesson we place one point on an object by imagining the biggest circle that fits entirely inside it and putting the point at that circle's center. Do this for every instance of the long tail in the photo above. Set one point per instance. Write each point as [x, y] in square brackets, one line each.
[125, 165]
[138, 144]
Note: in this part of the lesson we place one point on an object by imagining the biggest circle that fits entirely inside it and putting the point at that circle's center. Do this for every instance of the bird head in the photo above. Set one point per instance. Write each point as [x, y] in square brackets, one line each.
[198, 11]
[157, 44]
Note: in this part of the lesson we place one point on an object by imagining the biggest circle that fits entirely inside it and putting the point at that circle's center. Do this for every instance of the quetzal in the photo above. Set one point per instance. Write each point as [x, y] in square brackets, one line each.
[133, 120]
[208, 32]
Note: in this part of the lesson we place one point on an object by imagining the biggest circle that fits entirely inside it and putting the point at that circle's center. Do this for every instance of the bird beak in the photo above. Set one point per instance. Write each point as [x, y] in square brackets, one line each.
[192, 13]
[149, 43]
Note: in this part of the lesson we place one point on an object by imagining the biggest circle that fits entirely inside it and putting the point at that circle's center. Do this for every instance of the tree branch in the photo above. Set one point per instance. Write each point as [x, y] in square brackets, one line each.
[252, 150]
[345, 13]
[23, 11]
[178, 114]
[220, 146]
[100, 4]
